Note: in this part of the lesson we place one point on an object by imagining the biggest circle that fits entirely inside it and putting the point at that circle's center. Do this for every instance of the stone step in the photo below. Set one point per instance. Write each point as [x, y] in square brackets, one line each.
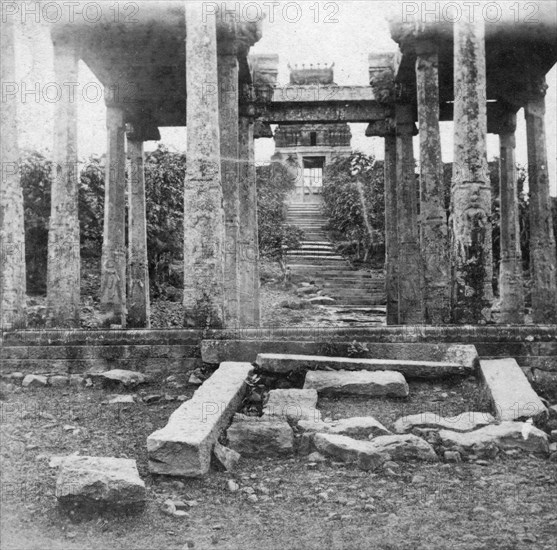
[285, 363]
[511, 394]
[367, 383]
[183, 447]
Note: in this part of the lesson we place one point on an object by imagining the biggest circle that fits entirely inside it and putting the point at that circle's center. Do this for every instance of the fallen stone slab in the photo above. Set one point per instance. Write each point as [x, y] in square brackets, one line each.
[512, 396]
[123, 376]
[344, 382]
[358, 427]
[183, 447]
[284, 363]
[91, 483]
[292, 405]
[504, 436]
[370, 455]
[259, 437]
[465, 422]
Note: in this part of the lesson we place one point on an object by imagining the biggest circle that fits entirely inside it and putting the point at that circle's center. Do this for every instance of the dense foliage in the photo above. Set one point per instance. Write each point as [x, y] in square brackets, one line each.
[274, 183]
[353, 195]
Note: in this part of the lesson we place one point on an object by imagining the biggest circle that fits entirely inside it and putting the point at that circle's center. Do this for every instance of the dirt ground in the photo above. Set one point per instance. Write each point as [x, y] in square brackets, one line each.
[507, 503]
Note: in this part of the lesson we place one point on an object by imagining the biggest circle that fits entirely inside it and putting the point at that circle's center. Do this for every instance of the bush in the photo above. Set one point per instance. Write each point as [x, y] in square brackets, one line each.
[354, 202]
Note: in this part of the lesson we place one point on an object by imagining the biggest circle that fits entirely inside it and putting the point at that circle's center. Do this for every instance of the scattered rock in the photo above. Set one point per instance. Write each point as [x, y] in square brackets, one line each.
[465, 422]
[96, 483]
[452, 456]
[507, 435]
[232, 486]
[34, 381]
[253, 498]
[358, 427]
[118, 399]
[343, 382]
[153, 398]
[194, 380]
[257, 437]
[76, 380]
[127, 378]
[58, 381]
[316, 457]
[226, 457]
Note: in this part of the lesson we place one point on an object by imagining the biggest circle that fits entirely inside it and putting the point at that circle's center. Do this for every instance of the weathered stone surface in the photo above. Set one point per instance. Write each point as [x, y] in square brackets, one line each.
[511, 394]
[99, 482]
[284, 363]
[293, 405]
[358, 427]
[183, 447]
[227, 458]
[464, 422]
[121, 399]
[371, 454]
[377, 383]
[58, 381]
[257, 437]
[507, 435]
[34, 381]
[125, 377]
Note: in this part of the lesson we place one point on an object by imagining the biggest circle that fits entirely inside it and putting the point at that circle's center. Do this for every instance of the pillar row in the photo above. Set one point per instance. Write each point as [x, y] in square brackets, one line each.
[113, 266]
[542, 240]
[203, 197]
[471, 191]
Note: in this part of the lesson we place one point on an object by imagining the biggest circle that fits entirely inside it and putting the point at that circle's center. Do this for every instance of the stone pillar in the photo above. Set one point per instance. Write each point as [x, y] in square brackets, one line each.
[227, 64]
[511, 291]
[12, 232]
[542, 240]
[63, 268]
[391, 230]
[472, 292]
[203, 197]
[410, 272]
[434, 231]
[138, 270]
[113, 267]
[249, 244]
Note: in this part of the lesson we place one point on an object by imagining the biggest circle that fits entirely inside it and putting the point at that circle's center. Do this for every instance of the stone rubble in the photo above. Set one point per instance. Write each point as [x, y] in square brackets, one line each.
[260, 437]
[465, 422]
[293, 405]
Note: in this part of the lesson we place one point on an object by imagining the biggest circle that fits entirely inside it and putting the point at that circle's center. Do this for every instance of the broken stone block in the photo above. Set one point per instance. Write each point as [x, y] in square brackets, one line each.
[293, 405]
[125, 377]
[343, 382]
[512, 395]
[58, 381]
[465, 422]
[258, 437]
[120, 399]
[34, 381]
[504, 436]
[184, 446]
[358, 427]
[369, 455]
[91, 483]
[227, 458]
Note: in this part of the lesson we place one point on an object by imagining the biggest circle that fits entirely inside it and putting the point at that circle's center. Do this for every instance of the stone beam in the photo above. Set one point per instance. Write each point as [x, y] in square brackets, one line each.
[542, 239]
[434, 231]
[203, 211]
[113, 263]
[12, 231]
[471, 191]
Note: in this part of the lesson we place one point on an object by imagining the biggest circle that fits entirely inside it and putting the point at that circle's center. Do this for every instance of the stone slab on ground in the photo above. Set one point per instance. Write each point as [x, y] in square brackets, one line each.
[285, 363]
[503, 436]
[293, 405]
[369, 455]
[511, 394]
[259, 437]
[343, 382]
[123, 376]
[97, 483]
[183, 447]
[358, 427]
[465, 422]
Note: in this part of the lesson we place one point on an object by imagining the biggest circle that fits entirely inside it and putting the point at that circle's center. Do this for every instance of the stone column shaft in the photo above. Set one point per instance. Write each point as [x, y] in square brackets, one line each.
[410, 272]
[471, 191]
[227, 64]
[511, 291]
[12, 231]
[203, 197]
[138, 278]
[434, 231]
[249, 244]
[391, 230]
[542, 239]
[113, 267]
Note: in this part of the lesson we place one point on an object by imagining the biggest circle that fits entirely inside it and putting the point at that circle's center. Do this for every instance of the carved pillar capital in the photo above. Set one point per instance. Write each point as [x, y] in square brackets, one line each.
[381, 128]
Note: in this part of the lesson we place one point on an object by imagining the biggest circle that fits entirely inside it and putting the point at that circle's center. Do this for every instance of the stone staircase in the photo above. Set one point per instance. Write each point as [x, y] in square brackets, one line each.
[317, 261]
